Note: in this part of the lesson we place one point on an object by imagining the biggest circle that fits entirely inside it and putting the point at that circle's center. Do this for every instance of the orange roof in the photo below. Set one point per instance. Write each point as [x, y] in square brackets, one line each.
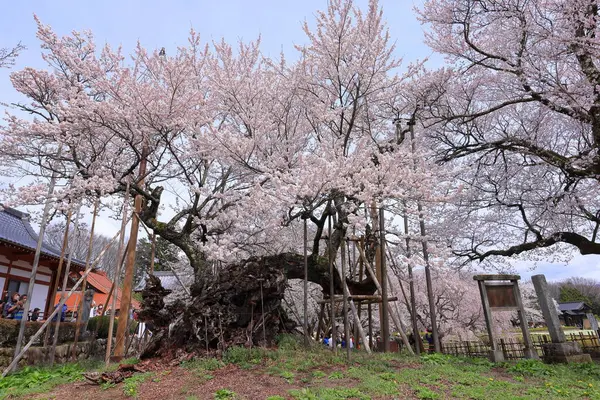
[102, 285]
[99, 281]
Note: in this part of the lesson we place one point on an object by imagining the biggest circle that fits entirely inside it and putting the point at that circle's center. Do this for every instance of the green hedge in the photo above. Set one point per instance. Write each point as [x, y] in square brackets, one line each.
[102, 323]
[9, 331]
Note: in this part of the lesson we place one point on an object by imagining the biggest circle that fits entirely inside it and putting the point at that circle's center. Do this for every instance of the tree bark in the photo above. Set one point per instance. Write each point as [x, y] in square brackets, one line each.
[225, 310]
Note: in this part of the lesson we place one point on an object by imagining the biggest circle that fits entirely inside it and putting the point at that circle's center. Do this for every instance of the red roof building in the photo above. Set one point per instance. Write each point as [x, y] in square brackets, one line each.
[101, 284]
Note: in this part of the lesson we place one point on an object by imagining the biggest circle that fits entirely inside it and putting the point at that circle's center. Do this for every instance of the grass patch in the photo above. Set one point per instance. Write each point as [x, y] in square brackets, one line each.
[224, 394]
[30, 380]
[132, 384]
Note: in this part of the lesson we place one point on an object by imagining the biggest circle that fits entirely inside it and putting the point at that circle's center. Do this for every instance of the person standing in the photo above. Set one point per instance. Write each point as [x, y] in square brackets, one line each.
[14, 308]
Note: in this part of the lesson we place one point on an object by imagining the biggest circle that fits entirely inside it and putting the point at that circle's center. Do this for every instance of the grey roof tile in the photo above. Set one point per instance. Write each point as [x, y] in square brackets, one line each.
[16, 229]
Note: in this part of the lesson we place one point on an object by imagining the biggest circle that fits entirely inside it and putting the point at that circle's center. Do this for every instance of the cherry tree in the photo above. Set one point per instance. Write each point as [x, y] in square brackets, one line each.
[518, 112]
[8, 55]
[229, 150]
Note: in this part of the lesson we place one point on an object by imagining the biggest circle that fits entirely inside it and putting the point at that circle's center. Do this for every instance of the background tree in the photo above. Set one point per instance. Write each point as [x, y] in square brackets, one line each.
[8, 55]
[165, 254]
[519, 113]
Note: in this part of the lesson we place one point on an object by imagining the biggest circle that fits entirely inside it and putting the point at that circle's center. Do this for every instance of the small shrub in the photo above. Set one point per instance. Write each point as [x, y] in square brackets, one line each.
[530, 368]
[436, 359]
[224, 394]
[426, 393]
[288, 342]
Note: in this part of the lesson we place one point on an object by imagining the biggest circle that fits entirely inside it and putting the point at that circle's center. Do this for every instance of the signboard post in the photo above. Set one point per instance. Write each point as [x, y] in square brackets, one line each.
[501, 293]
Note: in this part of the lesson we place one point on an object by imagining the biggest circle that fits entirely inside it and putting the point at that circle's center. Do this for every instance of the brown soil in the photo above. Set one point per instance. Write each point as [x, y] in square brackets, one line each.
[168, 383]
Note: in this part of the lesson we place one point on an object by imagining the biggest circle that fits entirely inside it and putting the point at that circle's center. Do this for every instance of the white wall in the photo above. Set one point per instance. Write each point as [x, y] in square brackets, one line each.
[38, 298]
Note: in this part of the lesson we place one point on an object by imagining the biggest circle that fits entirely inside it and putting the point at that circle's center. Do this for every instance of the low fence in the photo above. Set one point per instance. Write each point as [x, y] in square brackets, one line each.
[512, 348]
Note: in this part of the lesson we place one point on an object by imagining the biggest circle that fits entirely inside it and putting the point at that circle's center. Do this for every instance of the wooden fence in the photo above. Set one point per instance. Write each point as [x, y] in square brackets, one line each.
[513, 347]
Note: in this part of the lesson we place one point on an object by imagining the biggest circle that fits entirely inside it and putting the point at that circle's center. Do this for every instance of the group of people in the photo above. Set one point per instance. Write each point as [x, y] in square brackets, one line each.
[339, 342]
[13, 307]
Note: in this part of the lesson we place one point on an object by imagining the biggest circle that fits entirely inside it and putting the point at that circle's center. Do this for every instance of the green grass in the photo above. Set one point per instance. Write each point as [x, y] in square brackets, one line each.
[132, 384]
[317, 373]
[31, 380]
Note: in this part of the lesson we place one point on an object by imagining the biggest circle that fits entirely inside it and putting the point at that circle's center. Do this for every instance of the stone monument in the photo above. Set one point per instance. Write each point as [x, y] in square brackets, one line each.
[559, 350]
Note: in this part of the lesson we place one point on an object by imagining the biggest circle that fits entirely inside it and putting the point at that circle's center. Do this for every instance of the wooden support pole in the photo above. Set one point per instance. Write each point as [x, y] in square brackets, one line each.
[61, 260]
[346, 295]
[62, 293]
[395, 318]
[38, 253]
[120, 255]
[306, 342]
[411, 285]
[152, 253]
[321, 316]
[331, 286]
[384, 287]
[84, 285]
[130, 265]
[15, 361]
[370, 316]
[424, 244]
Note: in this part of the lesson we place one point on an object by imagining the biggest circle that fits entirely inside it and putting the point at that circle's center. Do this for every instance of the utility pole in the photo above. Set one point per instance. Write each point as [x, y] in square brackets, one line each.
[130, 265]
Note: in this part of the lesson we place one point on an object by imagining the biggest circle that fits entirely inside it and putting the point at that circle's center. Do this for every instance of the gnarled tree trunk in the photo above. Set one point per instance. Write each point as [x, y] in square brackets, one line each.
[228, 309]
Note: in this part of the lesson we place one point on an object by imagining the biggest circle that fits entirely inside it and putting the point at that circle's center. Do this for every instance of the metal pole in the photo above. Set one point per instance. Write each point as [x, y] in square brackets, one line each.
[306, 342]
[331, 287]
[384, 286]
[83, 286]
[38, 252]
[120, 256]
[430, 298]
[346, 325]
[411, 286]
[62, 293]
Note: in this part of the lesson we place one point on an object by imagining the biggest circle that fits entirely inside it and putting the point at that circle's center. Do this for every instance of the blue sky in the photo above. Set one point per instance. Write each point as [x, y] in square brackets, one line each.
[159, 24]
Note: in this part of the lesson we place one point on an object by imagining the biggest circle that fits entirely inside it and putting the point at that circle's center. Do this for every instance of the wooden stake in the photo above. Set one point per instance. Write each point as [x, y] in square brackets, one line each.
[63, 250]
[120, 255]
[62, 293]
[15, 361]
[83, 286]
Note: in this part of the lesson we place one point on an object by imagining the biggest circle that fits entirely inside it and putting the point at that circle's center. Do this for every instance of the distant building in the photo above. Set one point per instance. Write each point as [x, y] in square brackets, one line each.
[98, 281]
[18, 242]
[167, 279]
[576, 313]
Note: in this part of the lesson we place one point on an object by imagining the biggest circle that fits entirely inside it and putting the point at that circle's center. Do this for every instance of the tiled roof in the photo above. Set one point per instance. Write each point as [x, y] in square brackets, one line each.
[16, 229]
[167, 280]
[572, 306]
[101, 284]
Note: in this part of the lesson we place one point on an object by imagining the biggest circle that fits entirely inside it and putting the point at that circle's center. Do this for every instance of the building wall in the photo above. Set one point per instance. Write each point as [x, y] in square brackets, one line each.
[19, 270]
